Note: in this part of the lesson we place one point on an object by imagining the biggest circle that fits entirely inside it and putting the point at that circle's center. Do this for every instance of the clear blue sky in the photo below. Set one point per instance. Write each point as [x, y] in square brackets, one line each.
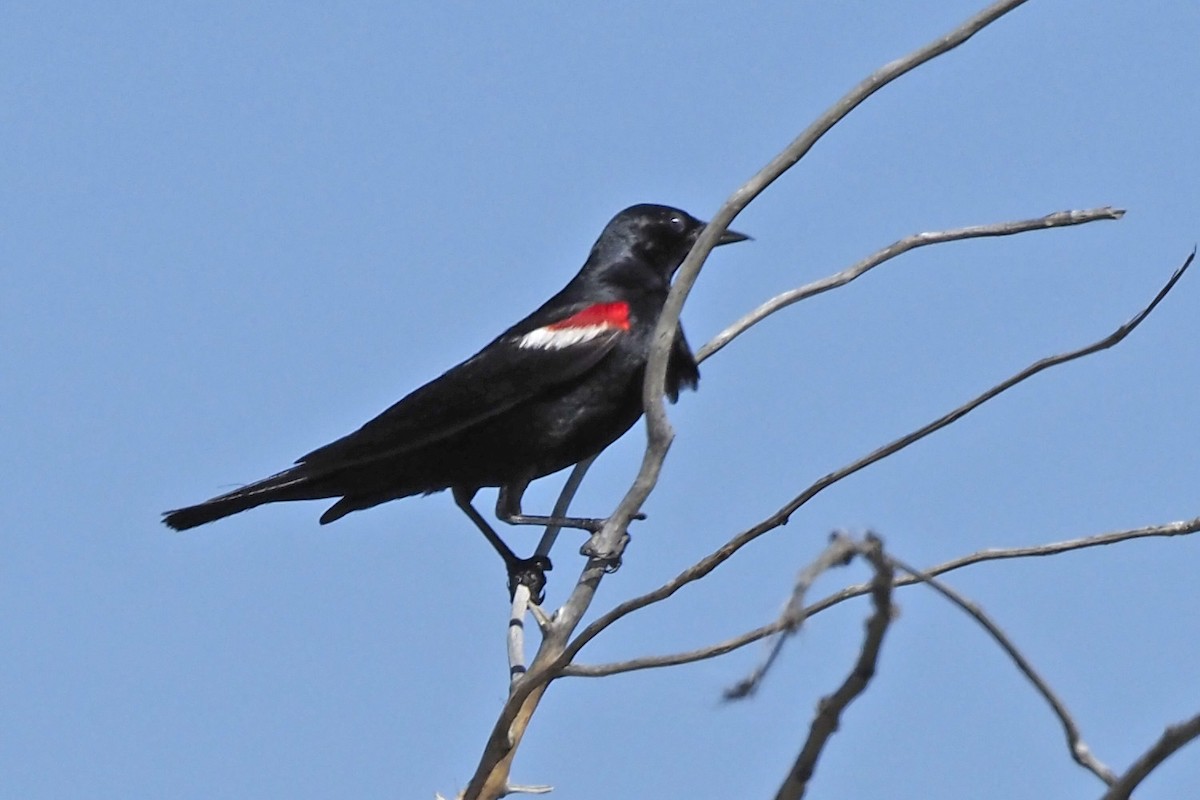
[234, 231]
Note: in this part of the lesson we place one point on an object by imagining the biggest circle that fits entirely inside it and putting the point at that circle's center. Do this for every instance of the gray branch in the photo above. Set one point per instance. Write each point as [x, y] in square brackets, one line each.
[1173, 738]
[710, 562]
[1182, 528]
[520, 600]
[838, 552]
[563, 504]
[1059, 219]
[516, 633]
[830, 708]
[1075, 743]
[659, 432]
[556, 651]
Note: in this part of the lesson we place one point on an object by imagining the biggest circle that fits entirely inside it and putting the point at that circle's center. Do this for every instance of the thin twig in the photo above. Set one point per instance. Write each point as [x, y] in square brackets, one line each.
[562, 505]
[659, 432]
[857, 590]
[1181, 528]
[1075, 744]
[516, 633]
[710, 562]
[674, 659]
[1173, 738]
[491, 774]
[830, 708]
[539, 788]
[838, 552]
[1058, 219]
[521, 595]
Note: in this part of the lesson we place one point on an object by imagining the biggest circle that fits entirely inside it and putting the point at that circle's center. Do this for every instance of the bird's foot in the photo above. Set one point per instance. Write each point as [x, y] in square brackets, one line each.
[594, 526]
[611, 558]
[530, 572]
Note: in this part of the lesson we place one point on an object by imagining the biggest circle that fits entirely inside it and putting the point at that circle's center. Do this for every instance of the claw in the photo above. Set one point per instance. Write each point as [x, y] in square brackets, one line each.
[611, 558]
[529, 572]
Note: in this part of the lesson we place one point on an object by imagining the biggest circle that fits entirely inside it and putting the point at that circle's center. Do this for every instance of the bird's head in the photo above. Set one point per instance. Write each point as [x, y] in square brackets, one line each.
[656, 236]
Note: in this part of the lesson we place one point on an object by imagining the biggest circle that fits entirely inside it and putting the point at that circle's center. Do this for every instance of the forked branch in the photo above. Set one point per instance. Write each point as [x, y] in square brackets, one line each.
[1059, 219]
[710, 562]
[491, 776]
[1075, 743]
[1173, 738]
[658, 428]
[839, 552]
[1182, 528]
[830, 708]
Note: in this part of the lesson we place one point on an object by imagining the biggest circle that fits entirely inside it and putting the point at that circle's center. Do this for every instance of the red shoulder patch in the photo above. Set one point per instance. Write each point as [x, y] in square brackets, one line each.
[607, 315]
[593, 322]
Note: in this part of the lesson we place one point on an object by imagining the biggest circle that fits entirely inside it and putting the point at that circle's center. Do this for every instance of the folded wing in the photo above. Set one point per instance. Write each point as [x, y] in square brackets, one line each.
[531, 357]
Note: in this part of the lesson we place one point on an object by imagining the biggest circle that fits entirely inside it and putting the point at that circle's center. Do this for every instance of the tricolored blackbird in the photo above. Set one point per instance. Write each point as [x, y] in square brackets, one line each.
[556, 388]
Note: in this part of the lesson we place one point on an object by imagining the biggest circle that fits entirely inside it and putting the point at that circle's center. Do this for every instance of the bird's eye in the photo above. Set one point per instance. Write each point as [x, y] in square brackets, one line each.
[678, 224]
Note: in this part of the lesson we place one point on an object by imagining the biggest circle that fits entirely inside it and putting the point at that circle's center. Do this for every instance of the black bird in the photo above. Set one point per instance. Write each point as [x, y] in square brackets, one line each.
[559, 386]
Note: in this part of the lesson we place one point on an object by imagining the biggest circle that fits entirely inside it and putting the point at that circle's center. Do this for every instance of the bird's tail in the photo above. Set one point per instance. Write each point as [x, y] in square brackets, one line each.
[291, 484]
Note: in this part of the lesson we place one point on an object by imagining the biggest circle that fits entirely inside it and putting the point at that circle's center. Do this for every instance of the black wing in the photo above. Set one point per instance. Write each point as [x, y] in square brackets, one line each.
[505, 373]
[682, 370]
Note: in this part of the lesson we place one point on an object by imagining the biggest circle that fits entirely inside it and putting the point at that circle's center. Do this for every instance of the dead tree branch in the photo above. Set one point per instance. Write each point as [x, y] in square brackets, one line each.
[830, 708]
[1182, 528]
[710, 562]
[1075, 743]
[1058, 219]
[659, 432]
[516, 633]
[521, 598]
[838, 552]
[1173, 738]
[556, 651]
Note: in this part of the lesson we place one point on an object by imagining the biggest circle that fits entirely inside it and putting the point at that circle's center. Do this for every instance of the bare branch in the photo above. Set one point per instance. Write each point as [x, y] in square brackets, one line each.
[516, 788]
[830, 708]
[512, 788]
[780, 517]
[1173, 738]
[1058, 219]
[838, 552]
[1181, 528]
[516, 633]
[1078, 748]
[562, 505]
[674, 659]
[659, 432]
[521, 596]
[491, 775]
[857, 590]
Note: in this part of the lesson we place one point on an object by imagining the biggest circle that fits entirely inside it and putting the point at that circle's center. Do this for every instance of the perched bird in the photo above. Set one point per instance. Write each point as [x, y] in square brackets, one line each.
[555, 388]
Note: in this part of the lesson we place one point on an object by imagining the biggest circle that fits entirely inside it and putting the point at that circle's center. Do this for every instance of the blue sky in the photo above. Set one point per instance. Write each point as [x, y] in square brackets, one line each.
[233, 232]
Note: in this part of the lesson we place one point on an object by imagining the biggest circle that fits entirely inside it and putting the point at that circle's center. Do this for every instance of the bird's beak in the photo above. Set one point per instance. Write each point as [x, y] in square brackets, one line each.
[729, 237]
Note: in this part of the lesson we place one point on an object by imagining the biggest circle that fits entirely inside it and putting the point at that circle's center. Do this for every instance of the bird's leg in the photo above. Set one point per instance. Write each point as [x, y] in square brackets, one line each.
[529, 572]
[508, 509]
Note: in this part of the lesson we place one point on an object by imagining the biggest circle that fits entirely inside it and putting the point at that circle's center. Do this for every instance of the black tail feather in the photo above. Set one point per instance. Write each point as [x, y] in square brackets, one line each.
[290, 484]
[183, 518]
